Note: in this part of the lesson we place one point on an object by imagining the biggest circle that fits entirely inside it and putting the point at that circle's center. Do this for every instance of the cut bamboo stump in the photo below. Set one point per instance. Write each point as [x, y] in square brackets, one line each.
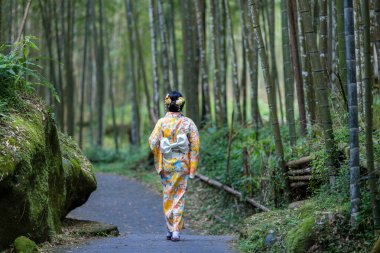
[231, 191]
[299, 172]
[300, 163]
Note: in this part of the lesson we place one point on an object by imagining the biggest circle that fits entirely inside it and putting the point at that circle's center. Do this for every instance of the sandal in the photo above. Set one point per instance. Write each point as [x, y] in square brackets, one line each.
[175, 236]
[169, 235]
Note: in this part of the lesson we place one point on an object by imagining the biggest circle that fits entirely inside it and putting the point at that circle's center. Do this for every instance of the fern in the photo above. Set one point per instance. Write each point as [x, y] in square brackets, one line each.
[19, 73]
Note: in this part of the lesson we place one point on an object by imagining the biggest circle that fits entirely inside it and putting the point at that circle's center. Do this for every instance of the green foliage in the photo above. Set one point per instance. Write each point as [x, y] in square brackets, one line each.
[129, 157]
[262, 162]
[18, 74]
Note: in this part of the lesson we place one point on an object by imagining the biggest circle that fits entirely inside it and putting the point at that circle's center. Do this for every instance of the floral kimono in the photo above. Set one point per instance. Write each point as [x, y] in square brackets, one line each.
[175, 145]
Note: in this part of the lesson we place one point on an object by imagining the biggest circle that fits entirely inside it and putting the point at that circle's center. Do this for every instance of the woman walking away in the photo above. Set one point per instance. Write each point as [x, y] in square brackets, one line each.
[175, 145]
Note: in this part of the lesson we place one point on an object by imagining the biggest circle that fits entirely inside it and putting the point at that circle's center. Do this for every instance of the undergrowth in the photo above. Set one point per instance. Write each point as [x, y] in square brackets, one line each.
[19, 74]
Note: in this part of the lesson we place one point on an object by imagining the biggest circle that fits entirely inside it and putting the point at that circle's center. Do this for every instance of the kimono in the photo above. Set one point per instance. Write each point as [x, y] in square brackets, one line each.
[175, 162]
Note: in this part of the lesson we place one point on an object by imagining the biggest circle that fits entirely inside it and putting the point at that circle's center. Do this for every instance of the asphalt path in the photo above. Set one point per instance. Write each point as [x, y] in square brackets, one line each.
[137, 212]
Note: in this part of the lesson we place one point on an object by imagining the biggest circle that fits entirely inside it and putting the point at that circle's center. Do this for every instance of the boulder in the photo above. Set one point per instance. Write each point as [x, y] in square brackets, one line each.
[43, 174]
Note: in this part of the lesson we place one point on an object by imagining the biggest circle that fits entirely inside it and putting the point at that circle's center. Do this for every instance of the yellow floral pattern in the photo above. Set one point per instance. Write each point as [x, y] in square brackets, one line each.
[175, 167]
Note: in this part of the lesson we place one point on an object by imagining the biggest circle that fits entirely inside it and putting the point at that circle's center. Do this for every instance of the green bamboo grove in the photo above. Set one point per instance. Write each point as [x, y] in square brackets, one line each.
[304, 69]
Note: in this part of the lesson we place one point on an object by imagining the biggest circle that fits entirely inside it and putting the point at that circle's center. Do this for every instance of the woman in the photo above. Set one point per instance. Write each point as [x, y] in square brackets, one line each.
[175, 145]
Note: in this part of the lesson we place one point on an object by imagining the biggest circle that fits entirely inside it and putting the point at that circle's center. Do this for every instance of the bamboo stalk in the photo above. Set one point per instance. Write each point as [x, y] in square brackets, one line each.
[22, 26]
[229, 145]
[270, 94]
[232, 191]
[353, 113]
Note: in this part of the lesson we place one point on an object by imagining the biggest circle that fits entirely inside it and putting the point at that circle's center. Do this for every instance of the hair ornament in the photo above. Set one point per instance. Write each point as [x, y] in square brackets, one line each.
[167, 99]
[180, 101]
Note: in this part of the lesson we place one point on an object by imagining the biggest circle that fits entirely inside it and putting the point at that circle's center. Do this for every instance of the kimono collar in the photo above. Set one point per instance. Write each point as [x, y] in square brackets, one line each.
[174, 114]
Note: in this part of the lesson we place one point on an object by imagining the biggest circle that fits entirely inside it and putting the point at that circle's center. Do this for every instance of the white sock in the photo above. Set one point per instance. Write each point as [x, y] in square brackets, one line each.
[176, 234]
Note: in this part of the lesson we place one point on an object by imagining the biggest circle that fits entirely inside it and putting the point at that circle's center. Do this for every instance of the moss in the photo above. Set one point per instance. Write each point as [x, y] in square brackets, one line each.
[22, 136]
[24, 245]
[36, 190]
[300, 238]
[376, 247]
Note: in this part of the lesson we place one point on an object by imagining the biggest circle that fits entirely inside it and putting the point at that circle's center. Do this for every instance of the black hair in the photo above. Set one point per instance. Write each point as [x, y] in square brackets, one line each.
[173, 107]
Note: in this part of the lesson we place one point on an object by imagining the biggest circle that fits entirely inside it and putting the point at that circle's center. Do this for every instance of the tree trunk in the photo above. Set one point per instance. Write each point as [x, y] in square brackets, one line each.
[288, 74]
[23, 22]
[270, 94]
[156, 104]
[215, 56]
[190, 77]
[174, 66]
[319, 77]
[203, 60]
[323, 39]
[60, 116]
[235, 80]
[1, 22]
[272, 53]
[297, 66]
[110, 70]
[135, 125]
[245, 52]
[358, 53]
[46, 15]
[253, 59]
[222, 40]
[69, 67]
[84, 67]
[353, 112]
[99, 71]
[243, 83]
[307, 75]
[142, 69]
[377, 37]
[164, 48]
[342, 49]
[367, 80]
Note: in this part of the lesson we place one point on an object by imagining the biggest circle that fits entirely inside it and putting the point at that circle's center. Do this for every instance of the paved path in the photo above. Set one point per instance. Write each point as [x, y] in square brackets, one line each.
[137, 212]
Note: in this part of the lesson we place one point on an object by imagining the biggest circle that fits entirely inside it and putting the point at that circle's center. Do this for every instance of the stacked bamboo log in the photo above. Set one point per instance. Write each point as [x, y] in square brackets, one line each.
[299, 172]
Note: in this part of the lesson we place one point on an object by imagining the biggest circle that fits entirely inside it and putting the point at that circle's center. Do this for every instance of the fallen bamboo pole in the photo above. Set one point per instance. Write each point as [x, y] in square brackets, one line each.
[232, 191]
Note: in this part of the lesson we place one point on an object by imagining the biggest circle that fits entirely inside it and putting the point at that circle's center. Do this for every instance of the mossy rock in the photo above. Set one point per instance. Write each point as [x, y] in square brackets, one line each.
[376, 247]
[300, 238]
[41, 179]
[23, 244]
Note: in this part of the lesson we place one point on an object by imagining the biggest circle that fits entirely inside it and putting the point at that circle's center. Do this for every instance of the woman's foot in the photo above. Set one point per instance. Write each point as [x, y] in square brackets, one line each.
[169, 235]
[175, 236]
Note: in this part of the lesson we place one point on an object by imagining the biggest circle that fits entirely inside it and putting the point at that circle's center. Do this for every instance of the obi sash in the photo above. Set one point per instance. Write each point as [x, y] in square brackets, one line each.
[181, 145]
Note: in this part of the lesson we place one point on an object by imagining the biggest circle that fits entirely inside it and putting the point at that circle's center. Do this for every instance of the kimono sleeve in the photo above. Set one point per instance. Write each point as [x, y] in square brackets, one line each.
[194, 148]
[154, 144]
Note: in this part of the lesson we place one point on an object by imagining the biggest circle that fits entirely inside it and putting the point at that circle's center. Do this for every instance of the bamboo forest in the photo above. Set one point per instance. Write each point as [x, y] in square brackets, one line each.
[254, 124]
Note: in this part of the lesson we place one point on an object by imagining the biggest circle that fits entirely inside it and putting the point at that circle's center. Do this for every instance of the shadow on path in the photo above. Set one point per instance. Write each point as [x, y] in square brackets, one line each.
[137, 211]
